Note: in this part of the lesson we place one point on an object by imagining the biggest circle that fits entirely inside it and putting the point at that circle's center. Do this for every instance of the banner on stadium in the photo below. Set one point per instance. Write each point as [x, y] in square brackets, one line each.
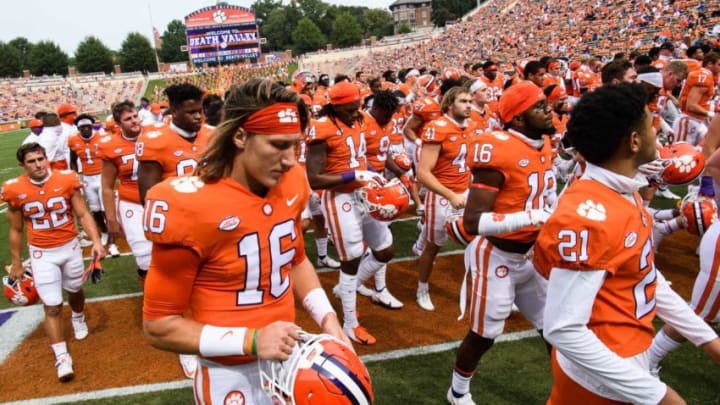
[222, 33]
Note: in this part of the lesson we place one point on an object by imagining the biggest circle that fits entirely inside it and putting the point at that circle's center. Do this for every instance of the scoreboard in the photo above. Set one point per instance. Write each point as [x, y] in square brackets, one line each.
[222, 33]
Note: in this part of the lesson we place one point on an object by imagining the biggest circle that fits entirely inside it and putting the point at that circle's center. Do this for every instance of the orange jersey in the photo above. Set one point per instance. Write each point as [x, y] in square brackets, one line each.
[345, 147]
[594, 228]
[451, 168]
[245, 248]
[86, 151]
[47, 208]
[428, 109]
[496, 86]
[320, 98]
[398, 122]
[527, 171]
[177, 155]
[702, 78]
[120, 151]
[378, 142]
[560, 123]
[482, 118]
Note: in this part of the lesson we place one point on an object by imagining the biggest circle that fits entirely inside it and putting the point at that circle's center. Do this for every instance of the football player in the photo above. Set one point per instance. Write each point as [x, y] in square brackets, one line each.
[241, 264]
[46, 201]
[695, 96]
[444, 172]
[596, 251]
[512, 178]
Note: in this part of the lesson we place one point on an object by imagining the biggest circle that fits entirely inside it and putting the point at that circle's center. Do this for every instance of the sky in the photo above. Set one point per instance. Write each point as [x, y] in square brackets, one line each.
[68, 22]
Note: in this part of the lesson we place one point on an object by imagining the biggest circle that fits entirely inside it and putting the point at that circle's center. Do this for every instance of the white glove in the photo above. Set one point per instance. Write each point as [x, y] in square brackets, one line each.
[653, 170]
[539, 217]
[710, 114]
[367, 176]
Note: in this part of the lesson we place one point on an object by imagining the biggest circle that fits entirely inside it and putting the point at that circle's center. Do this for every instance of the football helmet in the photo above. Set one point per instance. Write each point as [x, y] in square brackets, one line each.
[699, 213]
[321, 370]
[456, 231]
[384, 202]
[21, 292]
[427, 82]
[402, 160]
[686, 163]
[450, 73]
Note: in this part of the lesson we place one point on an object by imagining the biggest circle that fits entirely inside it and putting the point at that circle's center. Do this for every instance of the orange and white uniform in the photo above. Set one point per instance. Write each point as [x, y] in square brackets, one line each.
[165, 145]
[496, 89]
[377, 141]
[396, 135]
[485, 119]
[53, 247]
[86, 151]
[120, 152]
[690, 126]
[231, 268]
[450, 170]
[350, 228]
[500, 278]
[604, 292]
[427, 109]
[706, 291]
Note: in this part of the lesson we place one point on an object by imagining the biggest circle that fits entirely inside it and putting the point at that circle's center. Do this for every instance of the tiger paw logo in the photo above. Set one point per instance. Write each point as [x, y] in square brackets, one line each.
[219, 17]
[287, 116]
[234, 398]
[592, 210]
[685, 163]
[498, 217]
[187, 184]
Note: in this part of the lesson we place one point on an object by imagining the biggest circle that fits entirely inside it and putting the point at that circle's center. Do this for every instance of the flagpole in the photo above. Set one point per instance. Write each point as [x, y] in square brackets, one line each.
[152, 26]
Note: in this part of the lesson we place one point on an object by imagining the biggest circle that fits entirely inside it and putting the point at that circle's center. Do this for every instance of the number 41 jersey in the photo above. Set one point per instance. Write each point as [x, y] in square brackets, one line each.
[246, 245]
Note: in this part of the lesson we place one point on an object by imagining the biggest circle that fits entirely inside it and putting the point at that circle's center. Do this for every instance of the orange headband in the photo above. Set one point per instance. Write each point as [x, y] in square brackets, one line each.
[556, 94]
[278, 118]
[517, 99]
[343, 93]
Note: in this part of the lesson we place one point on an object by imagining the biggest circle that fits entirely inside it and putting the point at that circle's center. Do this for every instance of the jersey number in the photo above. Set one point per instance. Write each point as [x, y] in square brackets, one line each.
[356, 154]
[538, 191]
[185, 166]
[125, 159]
[461, 159]
[56, 207]
[569, 248]
[249, 249]
[644, 303]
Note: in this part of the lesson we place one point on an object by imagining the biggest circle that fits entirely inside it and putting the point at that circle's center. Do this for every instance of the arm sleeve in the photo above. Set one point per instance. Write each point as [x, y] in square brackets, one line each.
[674, 311]
[570, 298]
[170, 281]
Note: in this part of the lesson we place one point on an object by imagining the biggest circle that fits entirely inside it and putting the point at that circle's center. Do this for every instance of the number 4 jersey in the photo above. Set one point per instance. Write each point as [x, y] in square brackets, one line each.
[47, 208]
[246, 246]
[597, 228]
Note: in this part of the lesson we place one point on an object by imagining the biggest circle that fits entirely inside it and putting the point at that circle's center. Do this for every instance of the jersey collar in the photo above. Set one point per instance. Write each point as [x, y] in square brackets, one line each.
[614, 181]
[535, 143]
[185, 134]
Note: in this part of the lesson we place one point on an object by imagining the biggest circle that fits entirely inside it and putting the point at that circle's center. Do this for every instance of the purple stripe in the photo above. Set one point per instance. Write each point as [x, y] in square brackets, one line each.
[5, 316]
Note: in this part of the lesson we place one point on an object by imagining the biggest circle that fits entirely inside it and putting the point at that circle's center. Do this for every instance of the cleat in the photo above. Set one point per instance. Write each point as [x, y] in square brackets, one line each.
[667, 194]
[329, 262]
[416, 249]
[515, 308]
[79, 327]
[64, 368]
[387, 300]
[424, 302]
[336, 291]
[103, 238]
[189, 363]
[463, 400]
[113, 250]
[364, 291]
[420, 210]
[360, 335]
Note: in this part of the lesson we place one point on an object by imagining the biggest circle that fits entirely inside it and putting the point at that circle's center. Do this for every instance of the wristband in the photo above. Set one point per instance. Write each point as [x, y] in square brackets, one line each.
[418, 141]
[706, 186]
[316, 303]
[253, 349]
[222, 341]
[347, 177]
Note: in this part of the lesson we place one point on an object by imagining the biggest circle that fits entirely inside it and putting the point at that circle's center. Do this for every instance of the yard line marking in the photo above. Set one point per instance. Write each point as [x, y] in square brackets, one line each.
[146, 388]
[16, 329]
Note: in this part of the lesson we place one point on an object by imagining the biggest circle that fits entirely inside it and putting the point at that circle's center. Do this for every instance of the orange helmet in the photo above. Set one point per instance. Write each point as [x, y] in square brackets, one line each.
[110, 124]
[699, 213]
[384, 202]
[686, 163]
[21, 292]
[321, 370]
[456, 231]
[450, 73]
[427, 82]
[35, 123]
[402, 160]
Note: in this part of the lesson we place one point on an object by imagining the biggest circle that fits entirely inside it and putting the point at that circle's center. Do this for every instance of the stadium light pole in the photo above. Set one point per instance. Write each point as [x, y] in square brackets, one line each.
[152, 29]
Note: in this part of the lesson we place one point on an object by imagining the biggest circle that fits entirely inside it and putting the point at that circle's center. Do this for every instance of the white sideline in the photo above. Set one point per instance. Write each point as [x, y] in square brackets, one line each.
[139, 389]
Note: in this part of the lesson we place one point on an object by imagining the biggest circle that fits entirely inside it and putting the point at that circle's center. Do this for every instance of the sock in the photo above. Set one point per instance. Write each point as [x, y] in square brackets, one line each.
[380, 276]
[78, 315]
[423, 287]
[321, 244]
[369, 265]
[661, 346]
[460, 382]
[348, 297]
[420, 242]
[59, 349]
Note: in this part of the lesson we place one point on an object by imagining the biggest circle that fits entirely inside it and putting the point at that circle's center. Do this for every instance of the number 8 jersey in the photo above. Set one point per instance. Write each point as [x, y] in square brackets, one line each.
[47, 208]
[246, 246]
[597, 228]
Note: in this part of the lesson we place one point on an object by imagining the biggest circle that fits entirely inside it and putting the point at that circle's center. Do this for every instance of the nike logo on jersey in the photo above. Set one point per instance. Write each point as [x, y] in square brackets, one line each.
[56, 189]
[291, 201]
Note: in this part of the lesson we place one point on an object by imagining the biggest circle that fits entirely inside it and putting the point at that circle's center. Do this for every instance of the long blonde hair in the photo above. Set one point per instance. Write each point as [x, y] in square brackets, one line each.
[242, 101]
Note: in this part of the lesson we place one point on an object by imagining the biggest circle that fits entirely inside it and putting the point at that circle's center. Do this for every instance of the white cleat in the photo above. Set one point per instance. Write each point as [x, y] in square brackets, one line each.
[64, 368]
[365, 291]
[189, 363]
[79, 327]
[463, 400]
[329, 262]
[416, 249]
[420, 210]
[103, 238]
[667, 194]
[113, 250]
[387, 300]
[424, 302]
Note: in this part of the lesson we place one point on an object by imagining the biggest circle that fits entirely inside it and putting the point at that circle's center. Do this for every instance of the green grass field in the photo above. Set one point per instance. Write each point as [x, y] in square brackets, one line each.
[512, 373]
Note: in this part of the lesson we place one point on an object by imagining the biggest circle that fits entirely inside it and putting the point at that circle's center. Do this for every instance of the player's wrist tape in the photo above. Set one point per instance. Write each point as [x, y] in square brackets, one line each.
[492, 223]
[347, 177]
[223, 341]
[316, 303]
